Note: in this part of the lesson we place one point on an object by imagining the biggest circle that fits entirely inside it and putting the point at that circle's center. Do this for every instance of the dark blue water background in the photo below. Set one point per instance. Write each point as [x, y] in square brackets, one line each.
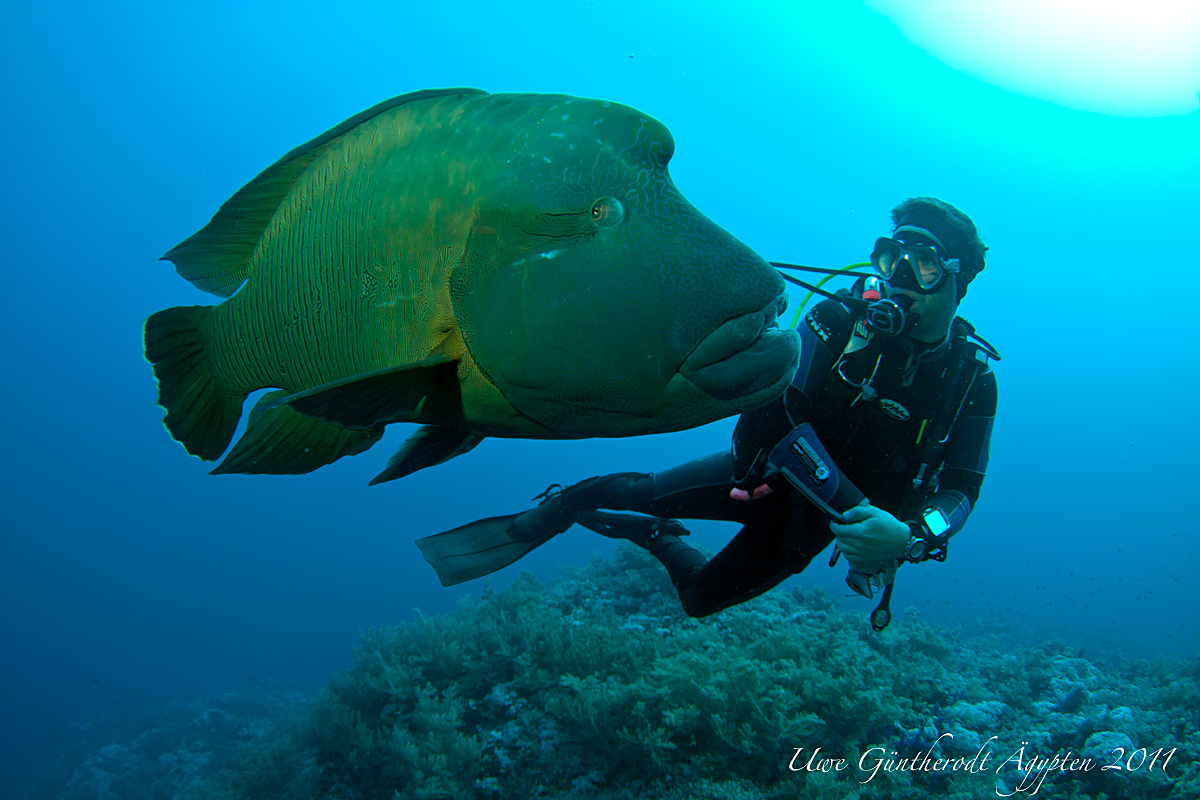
[129, 577]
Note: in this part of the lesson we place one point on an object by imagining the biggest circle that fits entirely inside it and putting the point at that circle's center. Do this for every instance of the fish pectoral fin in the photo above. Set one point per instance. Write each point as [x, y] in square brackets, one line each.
[428, 447]
[280, 441]
[426, 391]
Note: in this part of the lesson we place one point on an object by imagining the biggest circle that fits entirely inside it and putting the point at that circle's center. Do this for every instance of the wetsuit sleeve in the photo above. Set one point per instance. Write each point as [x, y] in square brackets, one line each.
[966, 457]
[970, 442]
[824, 333]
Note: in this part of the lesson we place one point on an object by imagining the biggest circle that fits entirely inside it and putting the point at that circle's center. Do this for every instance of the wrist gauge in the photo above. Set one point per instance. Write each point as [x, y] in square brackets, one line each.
[935, 521]
[914, 551]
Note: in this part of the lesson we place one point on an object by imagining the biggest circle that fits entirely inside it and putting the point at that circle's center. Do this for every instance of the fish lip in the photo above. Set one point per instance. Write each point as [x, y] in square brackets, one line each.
[733, 336]
[744, 355]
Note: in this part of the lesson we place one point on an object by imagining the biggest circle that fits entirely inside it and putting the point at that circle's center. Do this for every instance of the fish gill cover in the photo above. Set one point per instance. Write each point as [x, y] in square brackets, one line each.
[598, 686]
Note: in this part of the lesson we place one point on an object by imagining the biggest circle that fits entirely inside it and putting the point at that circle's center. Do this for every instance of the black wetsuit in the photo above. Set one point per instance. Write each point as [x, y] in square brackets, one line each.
[878, 436]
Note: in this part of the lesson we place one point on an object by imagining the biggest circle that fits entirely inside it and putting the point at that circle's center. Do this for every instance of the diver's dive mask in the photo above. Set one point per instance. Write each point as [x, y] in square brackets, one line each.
[913, 260]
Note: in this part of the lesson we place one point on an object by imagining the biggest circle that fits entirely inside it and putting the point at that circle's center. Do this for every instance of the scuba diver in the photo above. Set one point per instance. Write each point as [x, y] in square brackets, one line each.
[881, 441]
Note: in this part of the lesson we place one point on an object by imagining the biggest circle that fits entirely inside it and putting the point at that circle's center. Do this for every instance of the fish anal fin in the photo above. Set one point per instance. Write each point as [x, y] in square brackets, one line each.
[429, 446]
[426, 391]
[216, 258]
[281, 441]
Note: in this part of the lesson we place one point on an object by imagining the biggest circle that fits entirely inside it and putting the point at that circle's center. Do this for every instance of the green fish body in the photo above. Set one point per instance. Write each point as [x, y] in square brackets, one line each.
[512, 265]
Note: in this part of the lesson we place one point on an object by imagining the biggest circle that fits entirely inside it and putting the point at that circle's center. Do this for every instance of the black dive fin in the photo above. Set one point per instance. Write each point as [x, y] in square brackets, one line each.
[426, 391]
[428, 447]
[280, 441]
[476, 549]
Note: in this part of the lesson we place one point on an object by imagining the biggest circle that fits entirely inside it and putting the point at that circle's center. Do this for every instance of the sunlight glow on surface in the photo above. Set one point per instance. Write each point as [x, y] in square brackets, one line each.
[1119, 57]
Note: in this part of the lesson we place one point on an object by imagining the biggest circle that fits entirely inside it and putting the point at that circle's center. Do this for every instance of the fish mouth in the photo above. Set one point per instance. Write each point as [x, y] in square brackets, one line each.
[746, 356]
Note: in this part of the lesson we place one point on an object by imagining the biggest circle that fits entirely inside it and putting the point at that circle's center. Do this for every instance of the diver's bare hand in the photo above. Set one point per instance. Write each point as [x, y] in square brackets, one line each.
[870, 535]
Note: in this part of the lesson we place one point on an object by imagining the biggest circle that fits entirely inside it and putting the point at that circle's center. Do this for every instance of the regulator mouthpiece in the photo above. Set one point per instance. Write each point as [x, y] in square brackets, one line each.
[887, 316]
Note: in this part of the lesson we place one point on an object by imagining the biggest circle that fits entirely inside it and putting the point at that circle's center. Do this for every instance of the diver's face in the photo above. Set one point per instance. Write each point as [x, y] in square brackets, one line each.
[937, 310]
[927, 271]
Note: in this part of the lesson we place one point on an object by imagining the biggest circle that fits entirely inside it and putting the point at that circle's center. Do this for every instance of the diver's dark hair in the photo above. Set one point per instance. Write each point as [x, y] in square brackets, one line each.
[953, 227]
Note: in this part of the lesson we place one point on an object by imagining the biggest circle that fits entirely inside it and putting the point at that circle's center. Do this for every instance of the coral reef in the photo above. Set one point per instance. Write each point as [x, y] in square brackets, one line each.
[598, 686]
[186, 751]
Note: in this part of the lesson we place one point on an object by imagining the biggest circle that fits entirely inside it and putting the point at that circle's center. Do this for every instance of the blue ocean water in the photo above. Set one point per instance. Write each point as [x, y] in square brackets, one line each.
[131, 578]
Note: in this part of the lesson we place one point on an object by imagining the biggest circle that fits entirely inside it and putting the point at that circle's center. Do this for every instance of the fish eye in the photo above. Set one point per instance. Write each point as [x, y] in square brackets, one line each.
[607, 211]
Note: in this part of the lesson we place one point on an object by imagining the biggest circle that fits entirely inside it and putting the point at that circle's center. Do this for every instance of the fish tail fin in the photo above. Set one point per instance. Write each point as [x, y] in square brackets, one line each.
[201, 415]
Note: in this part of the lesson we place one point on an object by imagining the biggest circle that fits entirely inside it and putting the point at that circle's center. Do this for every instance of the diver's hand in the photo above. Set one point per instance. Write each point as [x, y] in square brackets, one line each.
[884, 572]
[755, 486]
[871, 535]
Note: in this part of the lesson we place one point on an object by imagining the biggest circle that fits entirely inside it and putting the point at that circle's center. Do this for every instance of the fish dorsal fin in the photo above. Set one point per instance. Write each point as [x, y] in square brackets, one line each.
[216, 258]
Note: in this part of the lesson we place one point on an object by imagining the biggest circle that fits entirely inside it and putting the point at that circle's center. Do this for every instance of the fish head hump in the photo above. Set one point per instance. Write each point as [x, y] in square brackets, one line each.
[594, 296]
